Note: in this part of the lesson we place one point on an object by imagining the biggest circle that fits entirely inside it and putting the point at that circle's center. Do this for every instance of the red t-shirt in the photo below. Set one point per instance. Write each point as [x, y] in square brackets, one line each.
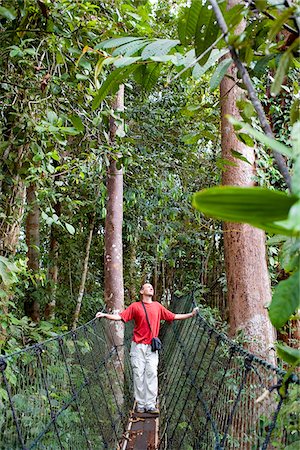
[156, 312]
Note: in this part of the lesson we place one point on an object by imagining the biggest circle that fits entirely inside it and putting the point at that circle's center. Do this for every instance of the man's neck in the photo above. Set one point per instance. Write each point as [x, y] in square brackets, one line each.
[147, 299]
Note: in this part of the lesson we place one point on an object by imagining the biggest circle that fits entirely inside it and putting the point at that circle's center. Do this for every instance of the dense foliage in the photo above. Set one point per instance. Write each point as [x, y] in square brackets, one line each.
[60, 61]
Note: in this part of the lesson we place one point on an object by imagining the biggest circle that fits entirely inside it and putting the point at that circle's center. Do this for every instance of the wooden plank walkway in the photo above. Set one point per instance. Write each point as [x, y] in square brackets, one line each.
[142, 432]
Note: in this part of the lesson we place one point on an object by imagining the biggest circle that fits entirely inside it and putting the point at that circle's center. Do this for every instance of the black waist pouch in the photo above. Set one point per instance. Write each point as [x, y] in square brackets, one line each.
[156, 344]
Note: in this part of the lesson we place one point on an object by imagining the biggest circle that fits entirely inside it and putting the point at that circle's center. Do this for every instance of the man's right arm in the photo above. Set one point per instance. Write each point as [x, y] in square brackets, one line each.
[100, 314]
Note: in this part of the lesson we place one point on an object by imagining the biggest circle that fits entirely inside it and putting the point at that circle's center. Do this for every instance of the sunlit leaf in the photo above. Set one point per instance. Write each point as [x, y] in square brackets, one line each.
[70, 228]
[159, 47]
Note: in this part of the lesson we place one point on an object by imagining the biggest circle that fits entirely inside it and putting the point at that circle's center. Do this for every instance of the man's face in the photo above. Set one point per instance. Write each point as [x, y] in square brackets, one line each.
[147, 289]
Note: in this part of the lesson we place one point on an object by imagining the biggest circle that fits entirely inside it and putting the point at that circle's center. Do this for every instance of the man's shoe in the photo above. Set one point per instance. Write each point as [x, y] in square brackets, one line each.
[139, 409]
[152, 410]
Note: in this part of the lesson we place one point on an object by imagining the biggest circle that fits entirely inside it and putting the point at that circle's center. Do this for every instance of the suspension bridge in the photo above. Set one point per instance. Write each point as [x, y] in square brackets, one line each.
[75, 392]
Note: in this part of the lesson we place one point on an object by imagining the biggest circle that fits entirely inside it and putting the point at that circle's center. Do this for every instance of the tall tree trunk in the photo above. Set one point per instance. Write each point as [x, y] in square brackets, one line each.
[132, 271]
[31, 305]
[113, 255]
[53, 267]
[84, 272]
[248, 281]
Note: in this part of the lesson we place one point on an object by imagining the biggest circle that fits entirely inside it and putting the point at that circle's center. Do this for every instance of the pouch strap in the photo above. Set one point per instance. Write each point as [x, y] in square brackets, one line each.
[147, 317]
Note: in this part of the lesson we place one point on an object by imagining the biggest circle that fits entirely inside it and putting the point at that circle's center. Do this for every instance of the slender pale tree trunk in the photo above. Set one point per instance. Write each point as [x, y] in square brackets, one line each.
[31, 305]
[84, 273]
[53, 267]
[132, 271]
[248, 280]
[113, 256]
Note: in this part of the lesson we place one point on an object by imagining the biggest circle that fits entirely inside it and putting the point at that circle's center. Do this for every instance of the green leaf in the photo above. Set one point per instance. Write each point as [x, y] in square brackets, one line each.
[283, 66]
[187, 24]
[295, 138]
[261, 137]
[257, 206]
[215, 55]
[246, 139]
[159, 47]
[126, 61]
[294, 446]
[111, 84]
[296, 177]
[116, 42]
[295, 111]
[262, 63]
[239, 155]
[131, 48]
[285, 301]
[207, 31]
[219, 73]
[281, 71]
[70, 228]
[191, 138]
[279, 22]
[234, 15]
[52, 117]
[77, 122]
[9, 14]
[288, 354]
[151, 75]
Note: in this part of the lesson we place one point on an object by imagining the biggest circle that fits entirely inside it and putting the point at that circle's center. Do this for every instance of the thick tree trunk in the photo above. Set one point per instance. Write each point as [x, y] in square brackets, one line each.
[31, 304]
[248, 281]
[113, 256]
[53, 268]
[84, 273]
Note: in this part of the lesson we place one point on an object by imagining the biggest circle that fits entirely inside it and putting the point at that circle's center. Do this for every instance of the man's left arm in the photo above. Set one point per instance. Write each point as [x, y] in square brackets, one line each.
[187, 315]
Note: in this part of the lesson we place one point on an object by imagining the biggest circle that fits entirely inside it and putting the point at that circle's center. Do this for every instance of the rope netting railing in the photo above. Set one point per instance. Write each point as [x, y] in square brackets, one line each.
[216, 395]
[70, 392]
[75, 392]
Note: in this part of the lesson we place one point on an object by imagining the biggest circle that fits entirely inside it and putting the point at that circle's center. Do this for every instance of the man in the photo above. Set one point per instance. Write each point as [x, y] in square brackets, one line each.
[143, 360]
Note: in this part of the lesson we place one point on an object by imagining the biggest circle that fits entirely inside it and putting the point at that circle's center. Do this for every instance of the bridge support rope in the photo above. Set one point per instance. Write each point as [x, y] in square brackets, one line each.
[74, 392]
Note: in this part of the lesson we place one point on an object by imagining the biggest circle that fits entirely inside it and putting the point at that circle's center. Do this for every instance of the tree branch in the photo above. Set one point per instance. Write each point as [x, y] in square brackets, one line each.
[281, 164]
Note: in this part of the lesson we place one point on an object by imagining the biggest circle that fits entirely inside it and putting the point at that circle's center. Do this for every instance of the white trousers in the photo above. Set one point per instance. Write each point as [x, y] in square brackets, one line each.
[144, 364]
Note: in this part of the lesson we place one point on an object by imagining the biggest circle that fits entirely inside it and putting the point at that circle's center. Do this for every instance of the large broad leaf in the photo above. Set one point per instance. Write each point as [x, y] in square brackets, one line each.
[288, 354]
[130, 48]
[150, 76]
[257, 206]
[207, 31]
[112, 83]
[285, 301]
[187, 24]
[116, 42]
[159, 47]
